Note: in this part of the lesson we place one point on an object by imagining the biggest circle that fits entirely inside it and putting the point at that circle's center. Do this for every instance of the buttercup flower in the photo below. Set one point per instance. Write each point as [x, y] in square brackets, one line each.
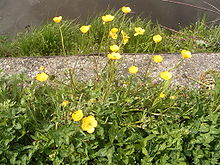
[172, 97]
[113, 33]
[114, 30]
[166, 75]
[65, 103]
[114, 56]
[133, 69]
[125, 37]
[89, 123]
[91, 101]
[114, 48]
[158, 59]
[85, 29]
[157, 38]
[186, 54]
[42, 68]
[42, 77]
[77, 115]
[139, 31]
[114, 36]
[57, 19]
[126, 10]
[107, 18]
[162, 95]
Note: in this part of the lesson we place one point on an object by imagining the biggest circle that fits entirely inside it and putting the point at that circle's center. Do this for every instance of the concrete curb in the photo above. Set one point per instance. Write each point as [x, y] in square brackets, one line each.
[85, 64]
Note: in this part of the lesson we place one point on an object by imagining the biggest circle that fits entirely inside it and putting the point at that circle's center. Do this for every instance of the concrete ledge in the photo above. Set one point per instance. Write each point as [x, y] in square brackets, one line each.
[85, 64]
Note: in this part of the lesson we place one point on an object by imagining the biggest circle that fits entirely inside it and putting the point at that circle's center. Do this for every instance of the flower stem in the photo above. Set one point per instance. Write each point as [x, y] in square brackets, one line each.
[62, 40]
[96, 70]
[176, 65]
[135, 53]
[147, 73]
[100, 46]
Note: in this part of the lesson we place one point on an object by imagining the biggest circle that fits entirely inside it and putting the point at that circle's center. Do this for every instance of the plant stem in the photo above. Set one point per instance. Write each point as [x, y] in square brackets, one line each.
[96, 70]
[62, 40]
[176, 65]
[100, 46]
[135, 53]
[111, 77]
[147, 73]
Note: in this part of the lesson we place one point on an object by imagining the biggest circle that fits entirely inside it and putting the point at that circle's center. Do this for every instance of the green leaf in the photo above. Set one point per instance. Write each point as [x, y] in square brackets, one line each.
[146, 139]
[214, 130]
[207, 138]
[144, 151]
[204, 127]
[182, 163]
[110, 153]
[164, 158]
[102, 152]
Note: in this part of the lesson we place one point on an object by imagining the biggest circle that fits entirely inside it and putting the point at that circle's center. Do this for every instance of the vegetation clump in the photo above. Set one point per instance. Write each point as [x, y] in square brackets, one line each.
[111, 119]
[45, 40]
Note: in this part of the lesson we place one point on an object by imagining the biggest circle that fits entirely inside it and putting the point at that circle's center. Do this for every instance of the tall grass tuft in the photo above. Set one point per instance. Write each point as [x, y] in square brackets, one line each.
[45, 40]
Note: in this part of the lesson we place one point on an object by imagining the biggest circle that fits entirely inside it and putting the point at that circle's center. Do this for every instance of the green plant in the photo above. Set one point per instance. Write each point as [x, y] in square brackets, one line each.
[109, 120]
[47, 40]
[132, 129]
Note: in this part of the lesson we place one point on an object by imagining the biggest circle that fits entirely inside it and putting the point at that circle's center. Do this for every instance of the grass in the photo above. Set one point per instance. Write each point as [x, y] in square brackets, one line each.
[46, 41]
[130, 122]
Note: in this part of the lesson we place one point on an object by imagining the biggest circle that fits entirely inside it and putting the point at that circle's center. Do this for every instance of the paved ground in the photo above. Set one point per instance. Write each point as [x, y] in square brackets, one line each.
[86, 64]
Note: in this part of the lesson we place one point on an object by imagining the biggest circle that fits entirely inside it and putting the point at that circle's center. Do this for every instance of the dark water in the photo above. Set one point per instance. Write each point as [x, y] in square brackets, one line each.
[15, 15]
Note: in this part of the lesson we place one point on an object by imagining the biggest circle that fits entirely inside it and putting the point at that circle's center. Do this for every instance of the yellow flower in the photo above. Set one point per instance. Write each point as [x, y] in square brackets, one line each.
[125, 37]
[114, 56]
[114, 48]
[162, 95]
[77, 115]
[158, 59]
[186, 54]
[107, 18]
[166, 75]
[65, 103]
[172, 97]
[57, 19]
[126, 10]
[139, 31]
[125, 40]
[114, 30]
[91, 101]
[42, 77]
[113, 33]
[157, 38]
[89, 123]
[133, 69]
[42, 68]
[85, 29]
